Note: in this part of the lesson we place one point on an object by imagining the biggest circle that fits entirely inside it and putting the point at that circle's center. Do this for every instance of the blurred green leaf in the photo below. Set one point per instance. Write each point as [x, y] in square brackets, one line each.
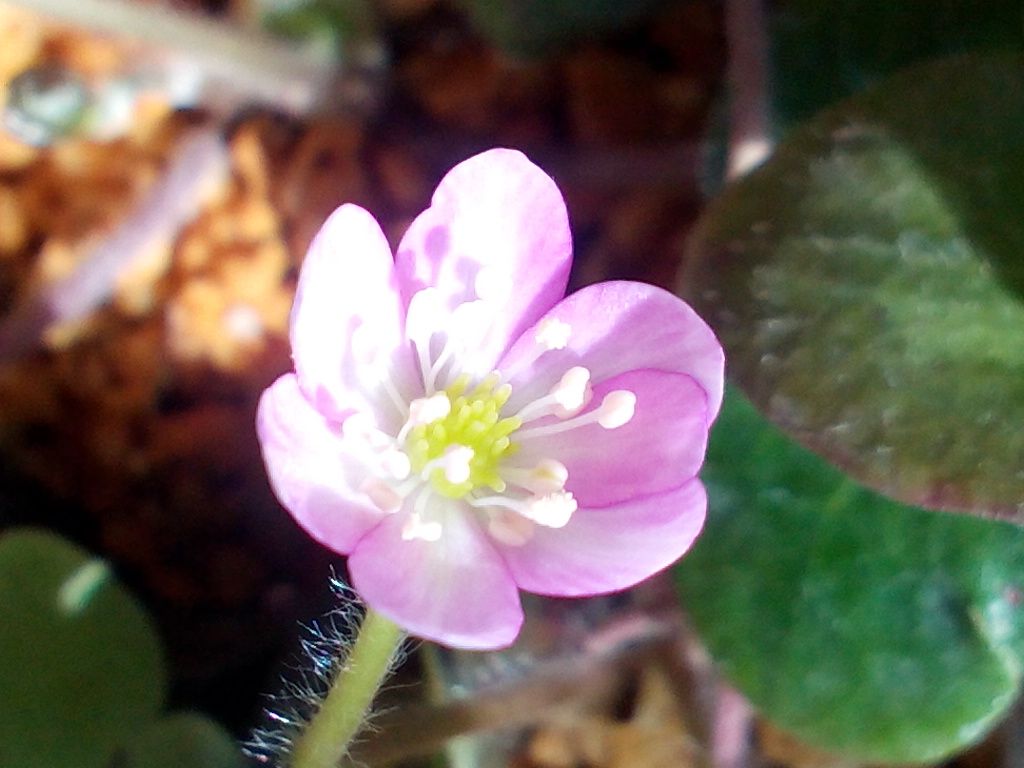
[536, 27]
[182, 740]
[81, 667]
[867, 283]
[329, 25]
[822, 52]
[880, 631]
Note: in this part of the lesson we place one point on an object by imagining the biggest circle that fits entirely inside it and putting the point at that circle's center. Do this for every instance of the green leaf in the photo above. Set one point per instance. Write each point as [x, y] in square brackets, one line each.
[536, 27]
[822, 52]
[81, 667]
[879, 631]
[866, 284]
[183, 739]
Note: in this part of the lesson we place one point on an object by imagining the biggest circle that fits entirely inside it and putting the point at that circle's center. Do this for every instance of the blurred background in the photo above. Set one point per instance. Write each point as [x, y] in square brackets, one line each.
[163, 167]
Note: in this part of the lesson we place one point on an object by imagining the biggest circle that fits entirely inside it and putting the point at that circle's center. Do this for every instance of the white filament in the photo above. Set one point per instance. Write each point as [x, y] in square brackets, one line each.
[616, 409]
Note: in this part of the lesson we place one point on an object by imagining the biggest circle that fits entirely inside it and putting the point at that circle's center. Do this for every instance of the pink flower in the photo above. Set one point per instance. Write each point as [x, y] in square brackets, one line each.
[461, 431]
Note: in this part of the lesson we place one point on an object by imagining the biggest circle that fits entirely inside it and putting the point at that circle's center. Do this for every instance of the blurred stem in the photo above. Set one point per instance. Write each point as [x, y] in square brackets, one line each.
[551, 687]
[270, 70]
[730, 737]
[345, 708]
[746, 30]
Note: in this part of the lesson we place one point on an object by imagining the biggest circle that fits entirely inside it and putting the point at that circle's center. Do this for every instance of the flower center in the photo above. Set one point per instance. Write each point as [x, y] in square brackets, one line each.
[455, 444]
[462, 445]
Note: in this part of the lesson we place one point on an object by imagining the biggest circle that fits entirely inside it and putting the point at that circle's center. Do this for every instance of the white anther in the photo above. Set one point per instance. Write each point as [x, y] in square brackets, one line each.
[383, 496]
[552, 510]
[424, 410]
[509, 527]
[455, 463]
[416, 528]
[552, 333]
[547, 476]
[616, 409]
[396, 464]
[572, 392]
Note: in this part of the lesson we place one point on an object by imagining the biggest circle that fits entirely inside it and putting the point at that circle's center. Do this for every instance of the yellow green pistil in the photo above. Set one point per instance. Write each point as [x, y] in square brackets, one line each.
[474, 422]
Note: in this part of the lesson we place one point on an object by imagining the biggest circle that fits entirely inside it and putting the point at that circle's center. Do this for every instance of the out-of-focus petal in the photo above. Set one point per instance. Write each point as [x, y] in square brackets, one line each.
[312, 468]
[496, 230]
[609, 548]
[616, 327]
[456, 591]
[346, 324]
[659, 449]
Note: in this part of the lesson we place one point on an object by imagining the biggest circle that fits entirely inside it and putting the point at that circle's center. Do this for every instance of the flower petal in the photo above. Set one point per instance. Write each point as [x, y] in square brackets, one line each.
[312, 468]
[497, 230]
[346, 324]
[661, 447]
[616, 327]
[609, 548]
[455, 591]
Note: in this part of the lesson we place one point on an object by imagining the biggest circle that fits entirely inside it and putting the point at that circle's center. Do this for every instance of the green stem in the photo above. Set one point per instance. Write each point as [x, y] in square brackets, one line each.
[343, 711]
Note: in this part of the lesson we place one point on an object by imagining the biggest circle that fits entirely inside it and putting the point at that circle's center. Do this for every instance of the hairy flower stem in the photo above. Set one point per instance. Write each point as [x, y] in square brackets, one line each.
[345, 708]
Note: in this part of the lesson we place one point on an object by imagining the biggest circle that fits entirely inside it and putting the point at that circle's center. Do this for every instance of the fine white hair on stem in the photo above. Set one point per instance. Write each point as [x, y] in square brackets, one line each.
[324, 648]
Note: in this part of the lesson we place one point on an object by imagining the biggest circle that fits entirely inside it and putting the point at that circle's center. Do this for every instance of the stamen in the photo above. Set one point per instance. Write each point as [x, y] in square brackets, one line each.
[552, 510]
[552, 333]
[423, 319]
[463, 329]
[383, 496]
[416, 528]
[424, 410]
[471, 328]
[392, 392]
[377, 448]
[363, 428]
[370, 371]
[509, 528]
[572, 391]
[396, 464]
[566, 398]
[454, 462]
[442, 359]
[547, 477]
[616, 409]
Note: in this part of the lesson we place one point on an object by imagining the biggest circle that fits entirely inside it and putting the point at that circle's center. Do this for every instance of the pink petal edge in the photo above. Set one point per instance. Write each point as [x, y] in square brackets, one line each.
[311, 469]
[495, 212]
[611, 548]
[661, 447]
[621, 326]
[347, 286]
[456, 591]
